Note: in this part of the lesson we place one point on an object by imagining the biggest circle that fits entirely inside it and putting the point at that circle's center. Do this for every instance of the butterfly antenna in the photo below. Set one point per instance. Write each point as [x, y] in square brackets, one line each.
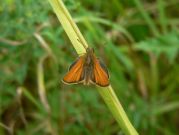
[82, 43]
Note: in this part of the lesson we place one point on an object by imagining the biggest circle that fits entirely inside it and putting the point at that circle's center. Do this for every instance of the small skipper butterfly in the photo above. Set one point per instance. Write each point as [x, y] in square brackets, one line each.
[87, 69]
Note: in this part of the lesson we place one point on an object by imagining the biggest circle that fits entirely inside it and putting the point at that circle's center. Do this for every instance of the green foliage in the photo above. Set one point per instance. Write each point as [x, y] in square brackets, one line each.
[140, 48]
[165, 44]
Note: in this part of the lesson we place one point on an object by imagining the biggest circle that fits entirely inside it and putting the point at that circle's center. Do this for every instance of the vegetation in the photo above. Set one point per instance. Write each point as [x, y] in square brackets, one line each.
[139, 42]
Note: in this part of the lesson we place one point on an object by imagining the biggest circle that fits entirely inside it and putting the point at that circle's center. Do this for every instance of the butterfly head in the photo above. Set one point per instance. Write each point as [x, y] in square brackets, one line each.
[89, 56]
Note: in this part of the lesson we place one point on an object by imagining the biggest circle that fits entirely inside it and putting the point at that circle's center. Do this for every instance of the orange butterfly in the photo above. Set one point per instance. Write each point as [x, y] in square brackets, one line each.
[87, 69]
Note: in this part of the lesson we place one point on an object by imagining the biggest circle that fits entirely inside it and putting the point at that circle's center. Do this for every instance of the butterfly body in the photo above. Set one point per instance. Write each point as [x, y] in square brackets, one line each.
[87, 69]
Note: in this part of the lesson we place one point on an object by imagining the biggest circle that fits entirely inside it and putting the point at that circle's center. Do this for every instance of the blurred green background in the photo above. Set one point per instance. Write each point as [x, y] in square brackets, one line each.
[137, 39]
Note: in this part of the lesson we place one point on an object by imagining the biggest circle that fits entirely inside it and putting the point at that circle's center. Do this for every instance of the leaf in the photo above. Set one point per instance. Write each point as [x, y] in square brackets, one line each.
[165, 44]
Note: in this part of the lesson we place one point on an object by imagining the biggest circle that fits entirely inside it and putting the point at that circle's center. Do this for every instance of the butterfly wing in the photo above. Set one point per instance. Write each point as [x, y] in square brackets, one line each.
[100, 74]
[75, 73]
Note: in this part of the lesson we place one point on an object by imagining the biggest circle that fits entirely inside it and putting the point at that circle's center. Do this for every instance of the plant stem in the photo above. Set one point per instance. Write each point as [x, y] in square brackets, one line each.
[69, 26]
[107, 93]
[162, 16]
[147, 18]
[117, 110]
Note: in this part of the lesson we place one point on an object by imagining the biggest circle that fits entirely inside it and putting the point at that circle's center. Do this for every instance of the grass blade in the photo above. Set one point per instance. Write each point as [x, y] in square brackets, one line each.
[146, 17]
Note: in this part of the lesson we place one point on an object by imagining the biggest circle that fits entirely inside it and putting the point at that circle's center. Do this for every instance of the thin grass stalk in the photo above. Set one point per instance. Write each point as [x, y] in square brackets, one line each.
[147, 18]
[9, 129]
[162, 16]
[107, 93]
[41, 84]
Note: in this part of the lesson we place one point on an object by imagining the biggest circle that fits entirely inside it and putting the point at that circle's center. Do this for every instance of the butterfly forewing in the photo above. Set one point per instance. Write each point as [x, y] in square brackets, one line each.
[103, 66]
[75, 73]
[100, 74]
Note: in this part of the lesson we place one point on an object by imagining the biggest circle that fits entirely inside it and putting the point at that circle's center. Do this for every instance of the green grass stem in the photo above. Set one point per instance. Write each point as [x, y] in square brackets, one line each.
[146, 17]
[162, 16]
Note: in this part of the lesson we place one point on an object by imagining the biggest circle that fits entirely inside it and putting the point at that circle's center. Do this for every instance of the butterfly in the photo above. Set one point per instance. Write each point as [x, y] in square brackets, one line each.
[87, 69]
